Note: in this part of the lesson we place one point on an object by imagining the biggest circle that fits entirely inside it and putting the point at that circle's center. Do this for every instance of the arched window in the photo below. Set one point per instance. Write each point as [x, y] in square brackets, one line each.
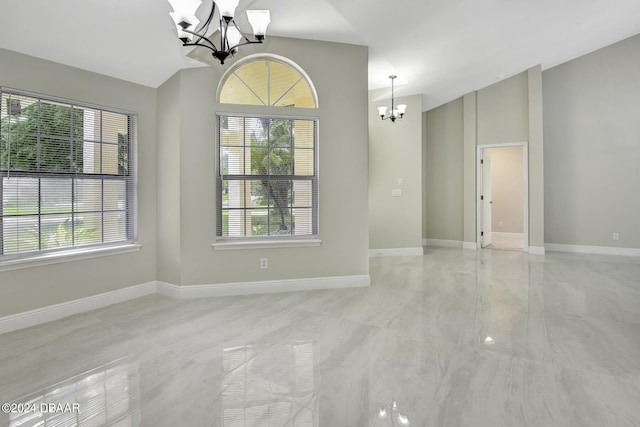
[269, 81]
[267, 162]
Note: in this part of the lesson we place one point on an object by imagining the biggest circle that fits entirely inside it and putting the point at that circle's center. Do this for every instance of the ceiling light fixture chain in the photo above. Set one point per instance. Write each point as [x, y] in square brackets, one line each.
[394, 113]
[231, 36]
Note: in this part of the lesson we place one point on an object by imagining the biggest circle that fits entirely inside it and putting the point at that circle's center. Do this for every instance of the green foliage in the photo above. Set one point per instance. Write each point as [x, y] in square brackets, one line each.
[63, 235]
[55, 152]
[271, 154]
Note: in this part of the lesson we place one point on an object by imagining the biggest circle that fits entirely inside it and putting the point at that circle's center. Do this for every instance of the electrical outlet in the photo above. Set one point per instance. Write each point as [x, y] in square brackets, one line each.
[264, 263]
[616, 236]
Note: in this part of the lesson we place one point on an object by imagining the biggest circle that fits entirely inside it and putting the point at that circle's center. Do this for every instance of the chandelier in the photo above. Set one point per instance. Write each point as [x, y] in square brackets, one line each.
[396, 112]
[231, 36]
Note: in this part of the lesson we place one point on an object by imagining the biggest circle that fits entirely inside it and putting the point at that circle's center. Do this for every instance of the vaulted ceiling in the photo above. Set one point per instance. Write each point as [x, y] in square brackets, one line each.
[441, 49]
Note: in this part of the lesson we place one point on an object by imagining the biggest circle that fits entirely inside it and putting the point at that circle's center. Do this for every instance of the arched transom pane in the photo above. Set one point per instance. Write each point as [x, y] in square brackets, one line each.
[267, 82]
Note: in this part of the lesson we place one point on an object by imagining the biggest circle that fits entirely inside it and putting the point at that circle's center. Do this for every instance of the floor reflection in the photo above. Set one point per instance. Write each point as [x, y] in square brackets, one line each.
[107, 395]
[268, 388]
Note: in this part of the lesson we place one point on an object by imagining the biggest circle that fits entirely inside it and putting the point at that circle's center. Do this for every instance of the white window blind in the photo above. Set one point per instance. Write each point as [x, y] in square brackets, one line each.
[67, 174]
[267, 177]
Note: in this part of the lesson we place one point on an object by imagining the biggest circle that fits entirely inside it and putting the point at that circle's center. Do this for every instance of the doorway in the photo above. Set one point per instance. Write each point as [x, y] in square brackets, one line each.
[502, 197]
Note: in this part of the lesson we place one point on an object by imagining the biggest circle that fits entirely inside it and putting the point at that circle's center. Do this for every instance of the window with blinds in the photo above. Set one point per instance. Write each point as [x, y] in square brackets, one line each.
[267, 179]
[67, 175]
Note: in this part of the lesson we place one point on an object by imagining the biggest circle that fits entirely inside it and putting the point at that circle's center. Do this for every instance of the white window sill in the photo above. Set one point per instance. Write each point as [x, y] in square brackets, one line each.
[77, 254]
[265, 244]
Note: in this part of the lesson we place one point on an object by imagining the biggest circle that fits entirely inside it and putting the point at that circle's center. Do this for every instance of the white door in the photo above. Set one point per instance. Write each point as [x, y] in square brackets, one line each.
[485, 198]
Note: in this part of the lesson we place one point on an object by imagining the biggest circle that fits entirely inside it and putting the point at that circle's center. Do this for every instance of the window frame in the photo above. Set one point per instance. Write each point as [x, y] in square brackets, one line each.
[37, 257]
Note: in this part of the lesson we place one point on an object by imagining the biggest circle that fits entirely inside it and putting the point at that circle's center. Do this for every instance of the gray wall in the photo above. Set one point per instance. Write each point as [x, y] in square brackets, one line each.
[343, 169]
[395, 152]
[443, 172]
[505, 112]
[168, 181]
[592, 148]
[31, 288]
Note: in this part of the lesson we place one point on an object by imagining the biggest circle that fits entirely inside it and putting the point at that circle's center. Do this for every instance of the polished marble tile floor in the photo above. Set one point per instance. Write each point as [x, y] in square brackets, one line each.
[458, 338]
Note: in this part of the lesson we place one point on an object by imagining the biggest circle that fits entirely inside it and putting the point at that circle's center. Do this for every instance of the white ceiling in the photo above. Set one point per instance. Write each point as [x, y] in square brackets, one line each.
[441, 49]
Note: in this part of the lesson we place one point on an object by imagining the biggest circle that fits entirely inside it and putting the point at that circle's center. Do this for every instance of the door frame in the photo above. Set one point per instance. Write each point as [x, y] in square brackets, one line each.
[525, 171]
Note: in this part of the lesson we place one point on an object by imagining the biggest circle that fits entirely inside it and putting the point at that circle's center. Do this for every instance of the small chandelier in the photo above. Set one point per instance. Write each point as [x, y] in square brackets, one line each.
[231, 37]
[396, 112]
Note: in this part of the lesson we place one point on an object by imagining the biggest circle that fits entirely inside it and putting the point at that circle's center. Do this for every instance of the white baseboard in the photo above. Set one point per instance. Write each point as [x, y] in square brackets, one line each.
[470, 245]
[599, 250]
[502, 235]
[263, 287]
[537, 250]
[443, 243]
[375, 253]
[54, 312]
[65, 309]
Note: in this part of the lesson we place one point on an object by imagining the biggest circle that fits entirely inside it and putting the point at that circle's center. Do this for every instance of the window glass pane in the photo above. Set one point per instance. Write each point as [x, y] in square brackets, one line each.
[282, 78]
[302, 194]
[55, 194]
[303, 133]
[255, 76]
[259, 196]
[279, 192]
[115, 193]
[88, 228]
[20, 234]
[304, 162]
[110, 159]
[232, 160]
[257, 222]
[303, 220]
[19, 196]
[235, 91]
[258, 158]
[55, 119]
[20, 152]
[57, 231]
[115, 226]
[280, 222]
[299, 96]
[56, 155]
[91, 124]
[88, 195]
[113, 124]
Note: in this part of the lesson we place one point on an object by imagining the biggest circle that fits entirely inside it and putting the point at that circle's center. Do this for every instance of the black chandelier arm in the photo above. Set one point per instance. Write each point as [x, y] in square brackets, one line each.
[245, 43]
[201, 32]
[209, 44]
[247, 40]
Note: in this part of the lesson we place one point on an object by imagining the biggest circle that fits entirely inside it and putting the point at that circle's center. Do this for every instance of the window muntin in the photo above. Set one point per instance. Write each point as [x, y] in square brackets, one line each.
[268, 177]
[269, 82]
[66, 175]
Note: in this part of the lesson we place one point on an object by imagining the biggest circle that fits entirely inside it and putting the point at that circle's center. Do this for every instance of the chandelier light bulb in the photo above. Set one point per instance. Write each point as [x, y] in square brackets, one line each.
[259, 21]
[227, 8]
